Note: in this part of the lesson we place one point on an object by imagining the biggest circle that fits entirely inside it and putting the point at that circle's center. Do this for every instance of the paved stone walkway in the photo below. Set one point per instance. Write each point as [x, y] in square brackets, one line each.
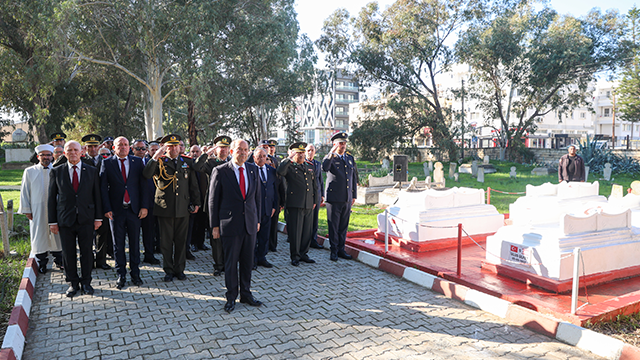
[343, 310]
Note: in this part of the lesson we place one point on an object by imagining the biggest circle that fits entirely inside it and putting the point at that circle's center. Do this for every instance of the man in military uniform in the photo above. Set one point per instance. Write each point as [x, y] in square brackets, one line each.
[57, 139]
[317, 167]
[340, 194]
[92, 144]
[107, 142]
[217, 155]
[103, 239]
[300, 201]
[177, 194]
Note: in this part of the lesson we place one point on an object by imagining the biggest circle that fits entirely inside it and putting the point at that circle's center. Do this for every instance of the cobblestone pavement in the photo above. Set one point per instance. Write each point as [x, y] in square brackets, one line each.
[343, 310]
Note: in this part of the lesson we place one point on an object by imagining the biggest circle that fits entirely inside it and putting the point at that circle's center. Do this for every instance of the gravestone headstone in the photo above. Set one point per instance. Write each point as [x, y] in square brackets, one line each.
[586, 174]
[427, 171]
[635, 187]
[427, 182]
[385, 164]
[413, 185]
[456, 177]
[607, 171]
[512, 173]
[474, 168]
[616, 191]
[430, 165]
[485, 161]
[452, 169]
[481, 175]
[438, 174]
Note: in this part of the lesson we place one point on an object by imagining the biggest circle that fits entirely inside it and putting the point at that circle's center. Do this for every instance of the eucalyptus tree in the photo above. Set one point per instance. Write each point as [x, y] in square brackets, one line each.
[629, 89]
[527, 63]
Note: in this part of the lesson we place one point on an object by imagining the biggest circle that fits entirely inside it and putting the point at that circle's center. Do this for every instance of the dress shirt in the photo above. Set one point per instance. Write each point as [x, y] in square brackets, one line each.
[126, 165]
[237, 172]
[78, 170]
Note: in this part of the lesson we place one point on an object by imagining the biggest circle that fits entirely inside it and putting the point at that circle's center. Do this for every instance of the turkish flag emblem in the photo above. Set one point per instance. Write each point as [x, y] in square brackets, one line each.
[514, 248]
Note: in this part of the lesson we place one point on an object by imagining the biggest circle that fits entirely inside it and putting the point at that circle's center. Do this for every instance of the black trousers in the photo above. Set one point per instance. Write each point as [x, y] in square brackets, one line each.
[262, 241]
[338, 214]
[198, 224]
[273, 232]
[104, 242]
[299, 226]
[217, 252]
[238, 255]
[82, 236]
[126, 223]
[148, 234]
[173, 243]
[314, 227]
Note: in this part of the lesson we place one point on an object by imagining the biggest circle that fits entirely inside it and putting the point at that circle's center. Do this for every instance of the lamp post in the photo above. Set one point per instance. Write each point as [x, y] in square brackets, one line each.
[462, 125]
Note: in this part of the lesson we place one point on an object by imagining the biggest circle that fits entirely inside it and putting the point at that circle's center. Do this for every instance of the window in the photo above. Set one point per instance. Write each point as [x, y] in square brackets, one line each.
[626, 127]
[583, 115]
[607, 112]
[608, 94]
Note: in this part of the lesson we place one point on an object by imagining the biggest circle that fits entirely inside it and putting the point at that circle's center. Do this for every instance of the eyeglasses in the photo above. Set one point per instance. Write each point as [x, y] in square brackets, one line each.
[140, 148]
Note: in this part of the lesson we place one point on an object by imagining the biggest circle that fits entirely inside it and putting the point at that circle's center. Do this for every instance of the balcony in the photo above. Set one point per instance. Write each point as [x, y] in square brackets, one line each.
[347, 88]
[348, 101]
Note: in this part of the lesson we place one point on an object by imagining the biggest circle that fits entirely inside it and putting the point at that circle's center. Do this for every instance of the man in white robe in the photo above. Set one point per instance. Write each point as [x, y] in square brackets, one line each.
[34, 193]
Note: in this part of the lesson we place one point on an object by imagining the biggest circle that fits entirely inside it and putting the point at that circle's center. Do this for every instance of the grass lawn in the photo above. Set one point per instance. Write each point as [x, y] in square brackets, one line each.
[10, 177]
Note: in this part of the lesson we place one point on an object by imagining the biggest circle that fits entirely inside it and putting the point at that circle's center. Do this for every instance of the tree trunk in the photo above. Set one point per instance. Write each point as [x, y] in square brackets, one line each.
[191, 121]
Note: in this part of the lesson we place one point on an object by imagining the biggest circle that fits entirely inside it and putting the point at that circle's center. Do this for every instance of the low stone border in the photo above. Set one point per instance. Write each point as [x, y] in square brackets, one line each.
[14, 339]
[599, 344]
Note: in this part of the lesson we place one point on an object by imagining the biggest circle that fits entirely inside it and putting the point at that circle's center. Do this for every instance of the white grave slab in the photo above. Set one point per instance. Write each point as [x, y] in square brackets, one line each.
[433, 215]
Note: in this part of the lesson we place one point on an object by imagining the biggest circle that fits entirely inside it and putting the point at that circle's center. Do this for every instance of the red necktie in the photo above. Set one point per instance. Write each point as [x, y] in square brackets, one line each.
[75, 181]
[124, 177]
[242, 189]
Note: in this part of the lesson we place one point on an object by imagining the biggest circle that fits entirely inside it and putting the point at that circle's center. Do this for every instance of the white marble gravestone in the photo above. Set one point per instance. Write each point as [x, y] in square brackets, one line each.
[607, 172]
[426, 215]
[385, 164]
[474, 168]
[480, 175]
[512, 173]
[427, 171]
[485, 161]
[430, 165]
[452, 169]
[438, 174]
[456, 177]
[586, 173]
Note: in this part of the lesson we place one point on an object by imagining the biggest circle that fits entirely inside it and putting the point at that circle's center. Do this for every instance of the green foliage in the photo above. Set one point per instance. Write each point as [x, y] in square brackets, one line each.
[527, 63]
[595, 158]
[629, 90]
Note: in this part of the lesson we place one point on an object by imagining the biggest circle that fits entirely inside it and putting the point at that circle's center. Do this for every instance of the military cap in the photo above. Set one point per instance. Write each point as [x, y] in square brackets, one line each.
[298, 147]
[222, 140]
[92, 139]
[108, 138]
[159, 139]
[340, 137]
[58, 136]
[273, 142]
[171, 139]
[264, 142]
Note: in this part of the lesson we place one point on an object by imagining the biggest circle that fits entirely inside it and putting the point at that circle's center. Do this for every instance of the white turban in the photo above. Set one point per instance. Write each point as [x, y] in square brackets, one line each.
[44, 147]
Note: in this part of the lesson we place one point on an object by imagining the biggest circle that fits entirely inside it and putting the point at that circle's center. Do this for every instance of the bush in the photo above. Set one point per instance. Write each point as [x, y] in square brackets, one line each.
[595, 158]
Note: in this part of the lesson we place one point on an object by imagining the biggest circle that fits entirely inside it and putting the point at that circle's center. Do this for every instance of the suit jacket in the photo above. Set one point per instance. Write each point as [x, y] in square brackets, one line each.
[173, 197]
[269, 191]
[228, 210]
[342, 178]
[301, 184]
[317, 167]
[113, 185]
[65, 205]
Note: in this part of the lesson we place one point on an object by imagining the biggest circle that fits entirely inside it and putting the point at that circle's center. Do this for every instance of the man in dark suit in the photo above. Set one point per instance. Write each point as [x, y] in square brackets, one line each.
[125, 202]
[317, 167]
[216, 156]
[149, 225]
[75, 211]
[198, 222]
[269, 205]
[301, 200]
[275, 162]
[177, 195]
[234, 203]
[341, 193]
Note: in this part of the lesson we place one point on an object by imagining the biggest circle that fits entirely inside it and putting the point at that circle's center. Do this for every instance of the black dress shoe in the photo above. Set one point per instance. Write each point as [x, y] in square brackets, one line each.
[251, 301]
[295, 262]
[152, 261]
[168, 278]
[265, 264]
[229, 306]
[121, 282]
[42, 269]
[87, 289]
[273, 249]
[72, 290]
[204, 247]
[333, 257]
[190, 256]
[217, 272]
[104, 266]
[308, 260]
[181, 276]
[137, 281]
[194, 248]
[315, 245]
[255, 267]
[344, 255]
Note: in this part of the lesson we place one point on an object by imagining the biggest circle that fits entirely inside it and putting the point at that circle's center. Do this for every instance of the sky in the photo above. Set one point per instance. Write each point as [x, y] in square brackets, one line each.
[311, 14]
